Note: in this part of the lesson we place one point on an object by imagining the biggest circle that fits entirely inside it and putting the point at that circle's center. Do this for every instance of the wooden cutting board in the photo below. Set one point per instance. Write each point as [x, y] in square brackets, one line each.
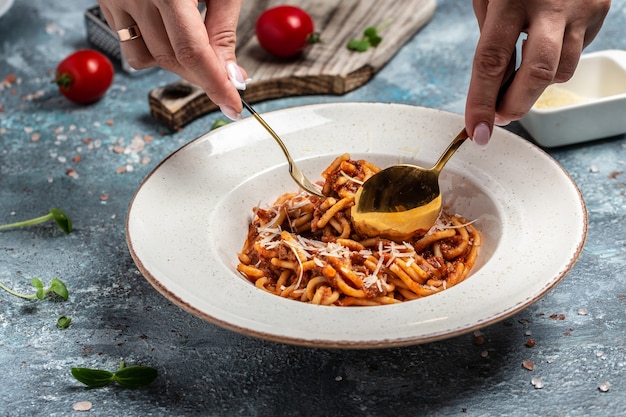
[324, 68]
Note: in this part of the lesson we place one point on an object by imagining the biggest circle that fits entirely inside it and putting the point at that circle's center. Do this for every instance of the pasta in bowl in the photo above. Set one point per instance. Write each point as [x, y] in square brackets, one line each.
[530, 237]
[305, 247]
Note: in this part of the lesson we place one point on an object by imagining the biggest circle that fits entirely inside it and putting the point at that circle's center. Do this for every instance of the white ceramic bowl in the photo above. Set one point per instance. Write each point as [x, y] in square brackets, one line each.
[189, 219]
[600, 83]
[5, 5]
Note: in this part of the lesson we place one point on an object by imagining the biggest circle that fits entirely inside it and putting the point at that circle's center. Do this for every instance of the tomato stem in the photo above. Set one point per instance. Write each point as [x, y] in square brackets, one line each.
[313, 38]
[63, 80]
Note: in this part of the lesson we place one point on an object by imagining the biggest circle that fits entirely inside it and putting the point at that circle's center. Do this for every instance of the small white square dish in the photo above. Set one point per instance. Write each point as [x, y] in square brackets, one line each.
[589, 106]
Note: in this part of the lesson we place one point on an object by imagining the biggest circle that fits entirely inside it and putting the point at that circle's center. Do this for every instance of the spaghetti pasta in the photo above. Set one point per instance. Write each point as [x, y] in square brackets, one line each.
[304, 247]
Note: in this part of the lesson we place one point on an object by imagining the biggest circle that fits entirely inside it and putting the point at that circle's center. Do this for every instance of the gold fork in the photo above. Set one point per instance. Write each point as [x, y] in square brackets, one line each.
[294, 171]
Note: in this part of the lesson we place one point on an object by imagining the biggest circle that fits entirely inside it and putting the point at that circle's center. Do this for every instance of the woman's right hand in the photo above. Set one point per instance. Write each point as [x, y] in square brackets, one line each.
[176, 38]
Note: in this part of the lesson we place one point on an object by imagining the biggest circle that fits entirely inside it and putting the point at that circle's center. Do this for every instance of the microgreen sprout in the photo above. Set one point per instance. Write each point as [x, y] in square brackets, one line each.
[371, 37]
[127, 376]
[56, 214]
[63, 322]
[219, 123]
[56, 286]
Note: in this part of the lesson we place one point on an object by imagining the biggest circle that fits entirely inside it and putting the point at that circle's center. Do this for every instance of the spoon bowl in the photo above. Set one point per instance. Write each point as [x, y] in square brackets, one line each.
[403, 200]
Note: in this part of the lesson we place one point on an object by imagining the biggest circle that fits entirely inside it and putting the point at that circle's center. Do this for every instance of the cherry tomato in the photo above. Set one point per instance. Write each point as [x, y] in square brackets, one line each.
[84, 76]
[284, 31]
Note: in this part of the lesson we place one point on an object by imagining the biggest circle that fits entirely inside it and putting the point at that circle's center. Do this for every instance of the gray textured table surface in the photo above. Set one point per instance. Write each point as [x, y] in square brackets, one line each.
[83, 159]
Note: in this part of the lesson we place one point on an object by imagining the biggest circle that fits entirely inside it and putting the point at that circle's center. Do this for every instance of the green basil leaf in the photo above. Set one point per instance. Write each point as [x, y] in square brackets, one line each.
[375, 40]
[93, 378]
[370, 32]
[359, 45]
[136, 376]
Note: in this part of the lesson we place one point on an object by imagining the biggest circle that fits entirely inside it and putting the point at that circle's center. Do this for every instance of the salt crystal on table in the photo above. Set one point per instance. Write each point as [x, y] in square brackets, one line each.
[82, 406]
[604, 386]
[537, 382]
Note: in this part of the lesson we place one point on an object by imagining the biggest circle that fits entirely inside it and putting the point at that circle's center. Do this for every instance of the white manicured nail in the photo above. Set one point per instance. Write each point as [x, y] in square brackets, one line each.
[235, 75]
[230, 113]
[481, 134]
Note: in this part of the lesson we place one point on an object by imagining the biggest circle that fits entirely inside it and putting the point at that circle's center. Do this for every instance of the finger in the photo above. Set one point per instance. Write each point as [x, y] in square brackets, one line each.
[135, 51]
[155, 37]
[107, 14]
[221, 23]
[578, 34]
[195, 54]
[500, 32]
[573, 44]
[480, 11]
[600, 11]
[541, 57]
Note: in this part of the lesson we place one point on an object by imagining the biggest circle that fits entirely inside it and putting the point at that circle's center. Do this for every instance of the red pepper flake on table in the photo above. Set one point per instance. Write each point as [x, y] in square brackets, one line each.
[70, 172]
[528, 364]
[8, 81]
[133, 149]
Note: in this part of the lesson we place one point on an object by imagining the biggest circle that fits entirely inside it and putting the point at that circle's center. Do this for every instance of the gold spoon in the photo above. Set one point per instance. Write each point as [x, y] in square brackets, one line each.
[404, 200]
[294, 171]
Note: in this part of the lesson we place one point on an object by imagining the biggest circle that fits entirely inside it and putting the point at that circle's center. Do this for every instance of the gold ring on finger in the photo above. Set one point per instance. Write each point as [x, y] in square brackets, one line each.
[128, 34]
